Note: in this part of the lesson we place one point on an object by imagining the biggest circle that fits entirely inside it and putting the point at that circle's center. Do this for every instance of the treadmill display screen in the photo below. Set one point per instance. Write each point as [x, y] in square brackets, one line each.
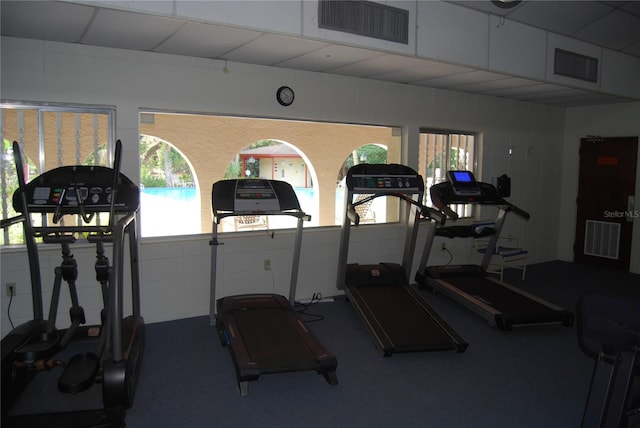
[463, 183]
[255, 196]
[463, 176]
[254, 189]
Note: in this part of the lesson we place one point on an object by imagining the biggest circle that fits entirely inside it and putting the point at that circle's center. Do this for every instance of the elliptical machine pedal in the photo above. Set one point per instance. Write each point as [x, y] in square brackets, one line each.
[79, 373]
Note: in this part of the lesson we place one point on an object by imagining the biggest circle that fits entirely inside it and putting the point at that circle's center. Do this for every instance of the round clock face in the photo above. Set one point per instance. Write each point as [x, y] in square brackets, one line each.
[285, 95]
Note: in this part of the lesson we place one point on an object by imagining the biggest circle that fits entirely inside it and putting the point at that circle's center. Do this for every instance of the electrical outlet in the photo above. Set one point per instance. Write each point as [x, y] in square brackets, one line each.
[267, 264]
[444, 246]
[11, 289]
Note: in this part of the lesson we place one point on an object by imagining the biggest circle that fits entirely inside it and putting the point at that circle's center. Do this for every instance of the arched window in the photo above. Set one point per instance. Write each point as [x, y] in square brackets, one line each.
[306, 154]
[169, 200]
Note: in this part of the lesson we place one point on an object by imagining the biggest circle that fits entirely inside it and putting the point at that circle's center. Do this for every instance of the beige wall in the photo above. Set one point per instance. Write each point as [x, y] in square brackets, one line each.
[291, 169]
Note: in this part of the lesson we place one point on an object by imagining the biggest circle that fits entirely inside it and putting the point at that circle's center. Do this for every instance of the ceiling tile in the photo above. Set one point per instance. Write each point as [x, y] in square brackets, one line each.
[618, 30]
[562, 17]
[632, 7]
[116, 29]
[270, 49]
[203, 40]
[419, 69]
[454, 81]
[515, 91]
[328, 57]
[45, 20]
[486, 6]
[633, 50]
[495, 85]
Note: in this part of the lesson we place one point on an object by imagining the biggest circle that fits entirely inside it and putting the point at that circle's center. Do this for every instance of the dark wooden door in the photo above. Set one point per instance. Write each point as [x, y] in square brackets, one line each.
[606, 208]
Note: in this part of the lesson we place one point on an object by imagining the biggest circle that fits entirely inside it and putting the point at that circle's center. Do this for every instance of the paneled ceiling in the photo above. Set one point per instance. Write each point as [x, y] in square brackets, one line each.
[611, 24]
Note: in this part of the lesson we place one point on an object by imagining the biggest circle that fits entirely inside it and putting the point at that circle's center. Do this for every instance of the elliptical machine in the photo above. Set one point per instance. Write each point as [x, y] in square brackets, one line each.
[609, 332]
[62, 206]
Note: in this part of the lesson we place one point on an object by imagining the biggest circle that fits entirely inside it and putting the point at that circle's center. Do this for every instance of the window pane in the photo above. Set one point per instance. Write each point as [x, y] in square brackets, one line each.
[445, 151]
[376, 210]
[168, 195]
[306, 154]
[49, 136]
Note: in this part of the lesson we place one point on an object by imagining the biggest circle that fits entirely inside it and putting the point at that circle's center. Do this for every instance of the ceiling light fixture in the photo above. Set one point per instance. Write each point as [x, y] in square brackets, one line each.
[506, 4]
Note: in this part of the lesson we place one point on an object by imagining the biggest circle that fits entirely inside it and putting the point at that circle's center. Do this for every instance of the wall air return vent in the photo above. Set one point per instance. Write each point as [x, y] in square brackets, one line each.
[365, 18]
[602, 239]
[571, 64]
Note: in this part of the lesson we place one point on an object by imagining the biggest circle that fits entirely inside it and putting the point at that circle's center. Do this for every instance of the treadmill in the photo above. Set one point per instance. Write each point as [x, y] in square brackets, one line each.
[263, 332]
[395, 313]
[503, 305]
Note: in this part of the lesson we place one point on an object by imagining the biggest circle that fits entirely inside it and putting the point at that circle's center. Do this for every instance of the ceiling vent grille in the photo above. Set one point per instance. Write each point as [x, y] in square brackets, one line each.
[365, 19]
[571, 64]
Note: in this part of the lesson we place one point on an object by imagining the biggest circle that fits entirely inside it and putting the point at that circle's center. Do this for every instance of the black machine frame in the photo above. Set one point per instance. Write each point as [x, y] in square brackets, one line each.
[397, 316]
[87, 194]
[609, 332]
[262, 331]
[502, 305]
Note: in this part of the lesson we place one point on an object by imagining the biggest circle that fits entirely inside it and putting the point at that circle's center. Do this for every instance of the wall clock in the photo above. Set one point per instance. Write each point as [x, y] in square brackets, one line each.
[285, 96]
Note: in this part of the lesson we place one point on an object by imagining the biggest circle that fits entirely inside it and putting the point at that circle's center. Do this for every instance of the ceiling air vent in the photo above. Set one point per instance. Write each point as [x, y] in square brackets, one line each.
[571, 64]
[365, 18]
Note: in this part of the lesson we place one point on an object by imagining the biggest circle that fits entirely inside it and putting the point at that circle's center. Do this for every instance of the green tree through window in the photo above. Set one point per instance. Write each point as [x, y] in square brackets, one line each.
[161, 165]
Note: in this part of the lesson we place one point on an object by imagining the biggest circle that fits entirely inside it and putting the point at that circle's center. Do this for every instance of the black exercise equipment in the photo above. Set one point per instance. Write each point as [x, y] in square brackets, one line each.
[396, 314]
[609, 332]
[70, 203]
[263, 332]
[503, 305]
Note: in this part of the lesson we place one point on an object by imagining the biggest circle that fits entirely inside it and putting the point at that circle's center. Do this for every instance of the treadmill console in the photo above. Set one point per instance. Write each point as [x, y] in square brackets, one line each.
[73, 189]
[253, 196]
[383, 178]
[462, 188]
[463, 183]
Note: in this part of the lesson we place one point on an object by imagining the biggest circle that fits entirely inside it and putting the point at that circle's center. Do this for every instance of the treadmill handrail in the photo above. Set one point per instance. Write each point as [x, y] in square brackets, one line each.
[392, 180]
[507, 206]
[442, 195]
[425, 212]
[219, 215]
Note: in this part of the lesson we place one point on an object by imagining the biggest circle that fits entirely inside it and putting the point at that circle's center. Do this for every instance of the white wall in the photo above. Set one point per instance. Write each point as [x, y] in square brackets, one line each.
[175, 272]
[615, 120]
